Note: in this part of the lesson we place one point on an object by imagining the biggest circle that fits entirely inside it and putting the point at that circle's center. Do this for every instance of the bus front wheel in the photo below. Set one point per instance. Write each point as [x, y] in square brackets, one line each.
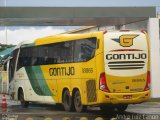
[24, 103]
[67, 101]
[77, 102]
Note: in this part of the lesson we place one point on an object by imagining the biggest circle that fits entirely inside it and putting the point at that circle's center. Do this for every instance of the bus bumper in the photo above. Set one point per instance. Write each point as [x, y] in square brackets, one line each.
[123, 98]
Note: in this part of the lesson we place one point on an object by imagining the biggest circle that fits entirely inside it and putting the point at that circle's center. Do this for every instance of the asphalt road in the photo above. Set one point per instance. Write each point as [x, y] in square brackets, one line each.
[146, 111]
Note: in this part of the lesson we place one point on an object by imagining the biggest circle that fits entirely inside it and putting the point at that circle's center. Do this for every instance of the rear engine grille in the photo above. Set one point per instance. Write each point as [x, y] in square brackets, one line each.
[126, 65]
[91, 91]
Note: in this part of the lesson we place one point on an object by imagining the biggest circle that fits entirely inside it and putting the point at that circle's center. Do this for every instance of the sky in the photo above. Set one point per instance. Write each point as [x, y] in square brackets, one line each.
[78, 3]
[16, 35]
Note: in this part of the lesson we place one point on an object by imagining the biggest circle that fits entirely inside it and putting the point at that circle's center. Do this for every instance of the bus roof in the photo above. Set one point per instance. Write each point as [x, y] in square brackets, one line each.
[64, 37]
[60, 38]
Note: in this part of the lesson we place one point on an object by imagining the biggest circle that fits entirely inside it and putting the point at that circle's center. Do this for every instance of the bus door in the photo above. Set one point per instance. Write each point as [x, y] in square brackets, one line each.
[11, 67]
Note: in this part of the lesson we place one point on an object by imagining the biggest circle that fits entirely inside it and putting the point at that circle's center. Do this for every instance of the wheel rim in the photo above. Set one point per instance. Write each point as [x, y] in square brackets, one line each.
[77, 101]
[67, 101]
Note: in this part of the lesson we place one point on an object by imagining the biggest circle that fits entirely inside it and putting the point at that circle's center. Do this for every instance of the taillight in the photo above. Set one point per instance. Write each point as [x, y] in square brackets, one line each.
[147, 87]
[103, 83]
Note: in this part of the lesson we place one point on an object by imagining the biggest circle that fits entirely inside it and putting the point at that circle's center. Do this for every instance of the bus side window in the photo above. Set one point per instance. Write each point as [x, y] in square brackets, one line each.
[34, 56]
[24, 58]
[84, 49]
[66, 52]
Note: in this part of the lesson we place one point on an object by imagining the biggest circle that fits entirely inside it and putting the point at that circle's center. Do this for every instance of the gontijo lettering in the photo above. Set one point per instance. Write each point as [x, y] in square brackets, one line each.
[126, 56]
[62, 71]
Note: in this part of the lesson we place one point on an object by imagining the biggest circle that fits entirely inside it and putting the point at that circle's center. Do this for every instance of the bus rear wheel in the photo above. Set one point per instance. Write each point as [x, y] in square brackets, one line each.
[77, 102]
[67, 101]
[24, 103]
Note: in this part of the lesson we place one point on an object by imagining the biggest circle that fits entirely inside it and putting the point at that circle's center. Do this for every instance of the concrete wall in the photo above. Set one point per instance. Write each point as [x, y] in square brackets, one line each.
[152, 27]
[153, 33]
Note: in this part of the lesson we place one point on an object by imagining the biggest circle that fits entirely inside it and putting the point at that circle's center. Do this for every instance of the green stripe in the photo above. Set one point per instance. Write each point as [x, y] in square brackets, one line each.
[116, 40]
[42, 82]
[37, 81]
[33, 80]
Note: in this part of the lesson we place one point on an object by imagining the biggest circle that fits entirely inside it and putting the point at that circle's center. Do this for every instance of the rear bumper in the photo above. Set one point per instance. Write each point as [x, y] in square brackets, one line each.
[118, 98]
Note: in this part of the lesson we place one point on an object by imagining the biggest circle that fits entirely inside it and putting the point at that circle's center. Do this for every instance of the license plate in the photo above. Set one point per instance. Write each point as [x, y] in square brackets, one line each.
[127, 96]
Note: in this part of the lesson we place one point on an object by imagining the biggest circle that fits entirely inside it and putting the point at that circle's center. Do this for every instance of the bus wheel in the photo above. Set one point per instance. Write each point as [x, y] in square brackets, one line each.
[24, 103]
[67, 101]
[121, 108]
[77, 102]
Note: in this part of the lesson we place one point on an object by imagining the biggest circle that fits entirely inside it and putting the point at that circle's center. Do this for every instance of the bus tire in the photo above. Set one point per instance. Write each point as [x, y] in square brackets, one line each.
[77, 102]
[121, 108]
[24, 103]
[67, 101]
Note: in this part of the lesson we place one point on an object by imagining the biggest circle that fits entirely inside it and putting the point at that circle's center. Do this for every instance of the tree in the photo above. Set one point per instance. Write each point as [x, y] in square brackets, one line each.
[4, 46]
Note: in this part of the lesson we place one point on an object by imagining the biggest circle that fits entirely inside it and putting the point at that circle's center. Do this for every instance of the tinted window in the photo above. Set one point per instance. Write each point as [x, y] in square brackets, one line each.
[60, 52]
[84, 49]
[24, 57]
[12, 64]
[63, 52]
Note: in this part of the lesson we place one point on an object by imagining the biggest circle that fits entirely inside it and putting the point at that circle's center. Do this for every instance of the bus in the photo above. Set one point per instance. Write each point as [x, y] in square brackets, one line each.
[106, 69]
